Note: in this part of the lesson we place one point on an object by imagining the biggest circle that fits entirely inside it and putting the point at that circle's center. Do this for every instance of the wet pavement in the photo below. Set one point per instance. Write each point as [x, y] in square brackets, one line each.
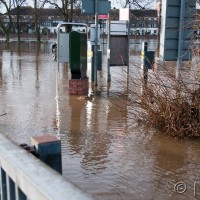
[104, 151]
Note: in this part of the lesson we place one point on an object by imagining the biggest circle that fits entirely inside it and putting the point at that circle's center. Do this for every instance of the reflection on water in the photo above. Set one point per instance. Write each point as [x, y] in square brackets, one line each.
[103, 151]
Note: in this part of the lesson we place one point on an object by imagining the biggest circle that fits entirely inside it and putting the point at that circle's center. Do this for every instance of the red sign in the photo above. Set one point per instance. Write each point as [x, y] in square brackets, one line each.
[102, 16]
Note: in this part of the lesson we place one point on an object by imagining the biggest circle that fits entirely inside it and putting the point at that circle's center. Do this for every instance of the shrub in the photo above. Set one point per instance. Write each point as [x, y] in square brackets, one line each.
[164, 102]
[171, 104]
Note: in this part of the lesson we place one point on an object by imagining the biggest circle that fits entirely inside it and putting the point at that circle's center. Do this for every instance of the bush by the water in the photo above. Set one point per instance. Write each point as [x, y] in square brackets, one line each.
[171, 104]
[165, 102]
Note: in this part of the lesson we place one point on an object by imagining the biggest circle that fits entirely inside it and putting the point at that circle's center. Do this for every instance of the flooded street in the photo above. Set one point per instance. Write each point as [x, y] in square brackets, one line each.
[104, 152]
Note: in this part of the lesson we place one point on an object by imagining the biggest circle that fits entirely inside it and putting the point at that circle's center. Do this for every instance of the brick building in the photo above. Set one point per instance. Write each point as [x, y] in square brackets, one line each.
[143, 22]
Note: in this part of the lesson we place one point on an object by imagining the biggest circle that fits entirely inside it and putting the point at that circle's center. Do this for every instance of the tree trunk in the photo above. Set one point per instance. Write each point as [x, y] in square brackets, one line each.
[7, 34]
[37, 30]
[18, 25]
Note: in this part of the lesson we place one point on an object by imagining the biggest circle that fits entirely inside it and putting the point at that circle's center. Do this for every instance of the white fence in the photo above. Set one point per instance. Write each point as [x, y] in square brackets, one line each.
[24, 177]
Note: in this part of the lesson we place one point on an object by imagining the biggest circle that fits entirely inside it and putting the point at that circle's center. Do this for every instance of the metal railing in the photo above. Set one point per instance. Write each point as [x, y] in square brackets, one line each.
[24, 177]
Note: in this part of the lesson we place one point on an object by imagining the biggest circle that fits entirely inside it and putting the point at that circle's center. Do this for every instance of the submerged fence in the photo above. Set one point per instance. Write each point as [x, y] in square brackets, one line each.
[24, 177]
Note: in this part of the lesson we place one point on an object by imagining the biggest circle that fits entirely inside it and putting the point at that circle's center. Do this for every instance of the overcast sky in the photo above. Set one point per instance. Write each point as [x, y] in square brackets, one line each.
[119, 3]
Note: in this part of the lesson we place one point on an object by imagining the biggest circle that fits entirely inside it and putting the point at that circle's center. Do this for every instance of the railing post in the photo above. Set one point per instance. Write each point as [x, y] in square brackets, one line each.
[3, 185]
[12, 193]
[21, 195]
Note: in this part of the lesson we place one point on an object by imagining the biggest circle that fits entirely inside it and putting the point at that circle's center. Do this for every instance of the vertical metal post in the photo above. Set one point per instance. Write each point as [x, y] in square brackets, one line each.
[21, 195]
[96, 43]
[144, 67]
[57, 79]
[128, 56]
[58, 49]
[180, 41]
[3, 185]
[103, 35]
[12, 192]
[108, 51]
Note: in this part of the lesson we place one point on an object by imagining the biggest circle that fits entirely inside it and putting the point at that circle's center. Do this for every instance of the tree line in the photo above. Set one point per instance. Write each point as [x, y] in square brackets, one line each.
[66, 8]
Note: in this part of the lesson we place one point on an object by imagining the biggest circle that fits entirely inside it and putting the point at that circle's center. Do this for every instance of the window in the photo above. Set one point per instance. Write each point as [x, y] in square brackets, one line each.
[140, 25]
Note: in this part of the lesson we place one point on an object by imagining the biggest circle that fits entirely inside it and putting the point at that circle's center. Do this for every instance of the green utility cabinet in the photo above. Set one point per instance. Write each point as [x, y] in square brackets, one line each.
[78, 54]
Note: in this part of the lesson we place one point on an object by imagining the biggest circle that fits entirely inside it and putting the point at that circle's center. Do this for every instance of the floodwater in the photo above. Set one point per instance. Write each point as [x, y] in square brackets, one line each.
[104, 152]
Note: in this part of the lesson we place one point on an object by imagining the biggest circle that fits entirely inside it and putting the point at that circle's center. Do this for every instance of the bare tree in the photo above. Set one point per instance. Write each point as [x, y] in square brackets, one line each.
[37, 5]
[6, 26]
[66, 7]
[18, 4]
[37, 30]
[137, 4]
[63, 6]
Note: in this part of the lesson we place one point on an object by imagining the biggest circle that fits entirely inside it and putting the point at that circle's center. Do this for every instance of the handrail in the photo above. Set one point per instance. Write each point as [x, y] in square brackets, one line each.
[33, 177]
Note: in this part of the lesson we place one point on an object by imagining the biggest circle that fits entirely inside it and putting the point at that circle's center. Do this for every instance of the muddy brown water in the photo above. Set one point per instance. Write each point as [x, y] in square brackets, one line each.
[103, 152]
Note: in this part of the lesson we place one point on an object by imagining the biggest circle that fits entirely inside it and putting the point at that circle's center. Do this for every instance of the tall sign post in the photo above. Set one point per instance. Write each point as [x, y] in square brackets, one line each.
[95, 7]
[96, 43]
[108, 51]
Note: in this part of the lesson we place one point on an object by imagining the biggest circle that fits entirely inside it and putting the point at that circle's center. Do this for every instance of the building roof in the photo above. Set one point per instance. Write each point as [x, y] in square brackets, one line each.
[27, 10]
[144, 13]
[114, 13]
[23, 11]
